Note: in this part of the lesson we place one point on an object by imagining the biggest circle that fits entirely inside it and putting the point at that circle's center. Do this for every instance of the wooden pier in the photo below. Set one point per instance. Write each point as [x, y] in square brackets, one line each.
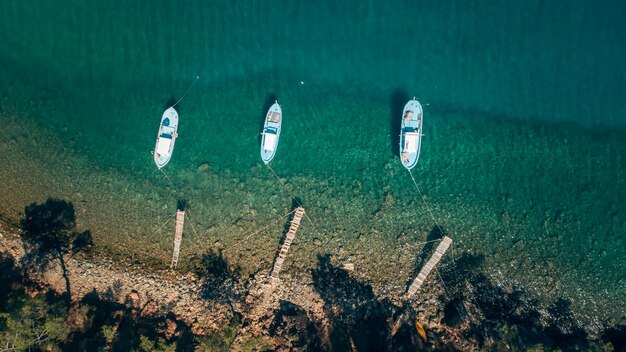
[278, 264]
[178, 237]
[439, 252]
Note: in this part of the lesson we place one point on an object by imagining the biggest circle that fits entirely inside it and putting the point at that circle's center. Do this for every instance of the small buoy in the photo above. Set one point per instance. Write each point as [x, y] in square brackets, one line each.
[420, 330]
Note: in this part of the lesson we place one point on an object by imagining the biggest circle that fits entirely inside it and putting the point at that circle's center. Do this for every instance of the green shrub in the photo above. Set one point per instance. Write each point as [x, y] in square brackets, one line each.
[27, 323]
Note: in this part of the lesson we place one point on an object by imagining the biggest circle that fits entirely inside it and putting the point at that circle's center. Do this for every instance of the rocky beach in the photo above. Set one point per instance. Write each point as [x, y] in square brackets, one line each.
[325, 309]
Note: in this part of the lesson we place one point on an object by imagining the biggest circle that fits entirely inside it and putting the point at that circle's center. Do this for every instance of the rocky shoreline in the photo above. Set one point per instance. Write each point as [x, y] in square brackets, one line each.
[133, 285]
[256, 301]
[326, 309]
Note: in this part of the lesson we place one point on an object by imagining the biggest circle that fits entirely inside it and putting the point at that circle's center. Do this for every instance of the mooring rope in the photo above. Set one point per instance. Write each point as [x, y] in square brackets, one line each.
[445, 290]
[448, 296]
[265, 227]
[191, 222]
[169, 180]
[187, 91]
[426, 203]
[441, 232]
[275, 174]
[294, 198]
[166, 222]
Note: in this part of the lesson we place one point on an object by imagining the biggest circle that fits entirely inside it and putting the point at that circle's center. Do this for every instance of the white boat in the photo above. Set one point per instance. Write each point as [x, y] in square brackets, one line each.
[411, 134]
[271, 132]
[166, 138]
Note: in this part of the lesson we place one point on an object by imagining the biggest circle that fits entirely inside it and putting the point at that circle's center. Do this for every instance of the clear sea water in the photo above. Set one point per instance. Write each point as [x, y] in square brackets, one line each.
[522, 161]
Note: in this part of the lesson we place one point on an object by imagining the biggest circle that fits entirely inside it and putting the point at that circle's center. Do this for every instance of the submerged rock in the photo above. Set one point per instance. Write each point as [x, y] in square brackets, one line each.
[203, 167]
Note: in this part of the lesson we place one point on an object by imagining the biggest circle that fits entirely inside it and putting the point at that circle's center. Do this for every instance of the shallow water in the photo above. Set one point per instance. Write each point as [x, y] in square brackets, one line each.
[522, 160]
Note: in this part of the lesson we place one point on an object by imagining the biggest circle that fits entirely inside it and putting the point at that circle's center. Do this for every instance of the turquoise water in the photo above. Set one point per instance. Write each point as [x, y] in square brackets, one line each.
[523, 157]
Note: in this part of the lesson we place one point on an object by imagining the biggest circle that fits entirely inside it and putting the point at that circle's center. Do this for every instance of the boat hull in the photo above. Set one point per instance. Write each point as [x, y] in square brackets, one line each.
[166, 138]
[411, 134]
[271, 132]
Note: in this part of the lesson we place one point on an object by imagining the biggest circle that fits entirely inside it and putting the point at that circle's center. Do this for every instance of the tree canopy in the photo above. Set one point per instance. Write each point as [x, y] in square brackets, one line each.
[49, 231]
[32, 322]
[51, 227]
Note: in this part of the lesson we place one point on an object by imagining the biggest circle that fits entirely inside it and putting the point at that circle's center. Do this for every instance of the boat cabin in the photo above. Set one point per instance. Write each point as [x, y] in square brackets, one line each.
[410, 142]
[270, 140]
[163, 145]
[274, 117]
[165, 138]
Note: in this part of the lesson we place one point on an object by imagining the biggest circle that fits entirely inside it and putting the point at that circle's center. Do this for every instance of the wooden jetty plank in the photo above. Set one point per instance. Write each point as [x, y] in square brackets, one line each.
[178, 237]
[278, 263]
[436, 257]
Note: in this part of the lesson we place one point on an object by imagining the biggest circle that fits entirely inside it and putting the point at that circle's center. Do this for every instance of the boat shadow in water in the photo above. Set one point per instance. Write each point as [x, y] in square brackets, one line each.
[397, 100]
[169, 103]
[270, 99]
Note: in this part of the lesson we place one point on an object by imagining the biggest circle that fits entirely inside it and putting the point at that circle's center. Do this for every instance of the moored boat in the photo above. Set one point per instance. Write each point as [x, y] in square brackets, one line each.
[411, 133]
[271, 132]
[166, 138]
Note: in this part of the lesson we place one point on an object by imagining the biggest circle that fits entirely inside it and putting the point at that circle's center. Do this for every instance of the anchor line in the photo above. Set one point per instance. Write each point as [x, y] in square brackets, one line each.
[246, 237]
[166, 222]
[266, 226]
[454, 262]
[294, 198]
[456, 276]
[426, 203]
[191, 223]
[445, 290]
[187, 91]
[427, 242]
[449, 297]
[440, 231]
[273, 172]
[443, 285]
[169, 180]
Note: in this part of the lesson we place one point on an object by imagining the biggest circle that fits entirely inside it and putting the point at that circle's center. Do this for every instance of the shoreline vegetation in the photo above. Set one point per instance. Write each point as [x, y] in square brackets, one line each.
[214, 307]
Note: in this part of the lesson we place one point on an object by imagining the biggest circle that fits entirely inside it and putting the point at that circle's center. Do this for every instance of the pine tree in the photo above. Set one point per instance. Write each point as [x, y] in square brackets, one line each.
[27, 323]
[49, 231]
